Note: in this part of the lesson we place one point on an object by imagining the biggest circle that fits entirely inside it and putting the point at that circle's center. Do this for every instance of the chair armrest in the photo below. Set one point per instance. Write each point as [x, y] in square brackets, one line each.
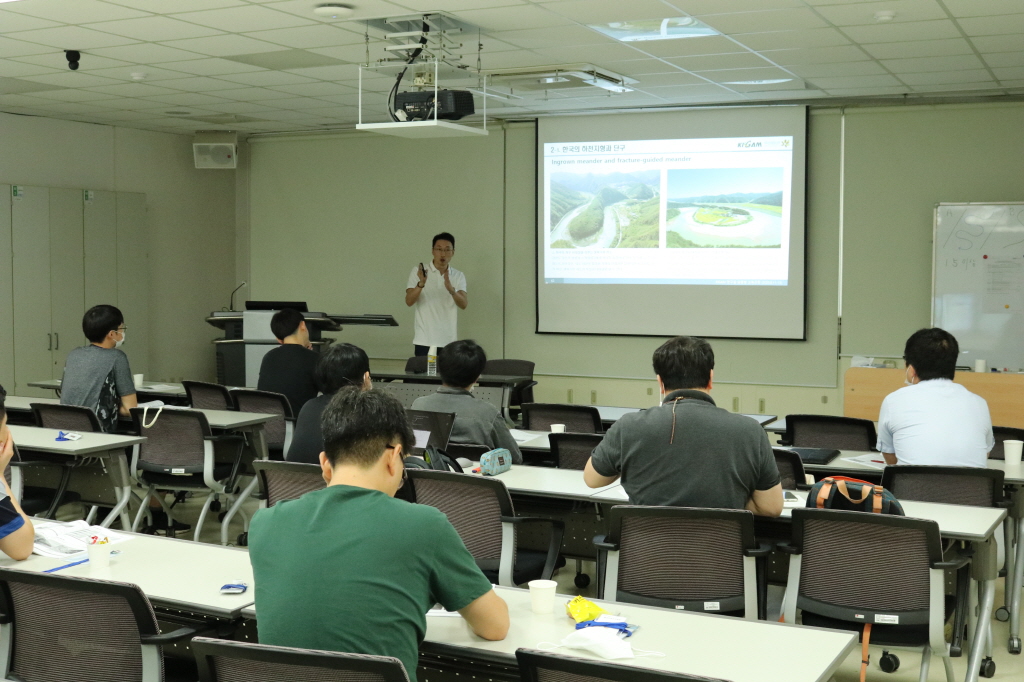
[224, 437]
[1003, 502]
[173, 636]
[763, 549]
[554, 547]
[804, 486]
[785, 443]
[787, 548]
[601, 543]
[958, 562]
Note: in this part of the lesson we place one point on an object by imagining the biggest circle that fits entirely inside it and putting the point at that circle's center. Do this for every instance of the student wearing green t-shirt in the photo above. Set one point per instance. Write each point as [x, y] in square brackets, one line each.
[349, 568]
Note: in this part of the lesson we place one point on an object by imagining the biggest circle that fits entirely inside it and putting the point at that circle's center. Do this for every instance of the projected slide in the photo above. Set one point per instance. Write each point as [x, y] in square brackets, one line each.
[697, 211]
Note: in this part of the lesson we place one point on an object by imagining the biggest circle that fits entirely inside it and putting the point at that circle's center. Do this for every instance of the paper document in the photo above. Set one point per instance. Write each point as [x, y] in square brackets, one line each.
[422, 438]
[522, 436]
[873, 461]
[62, 540]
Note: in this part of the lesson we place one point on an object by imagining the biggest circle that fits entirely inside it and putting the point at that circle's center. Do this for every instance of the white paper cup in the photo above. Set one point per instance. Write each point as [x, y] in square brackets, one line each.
[558, 428]
[980, 365]
[99, 555]
[138, 380]
[542, 595]
[1011, 452]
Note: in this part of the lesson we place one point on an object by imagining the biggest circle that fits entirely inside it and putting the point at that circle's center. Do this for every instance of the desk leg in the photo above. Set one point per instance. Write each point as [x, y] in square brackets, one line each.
[1015, 587]
[117, 469]
[985, 571]
[259, 442]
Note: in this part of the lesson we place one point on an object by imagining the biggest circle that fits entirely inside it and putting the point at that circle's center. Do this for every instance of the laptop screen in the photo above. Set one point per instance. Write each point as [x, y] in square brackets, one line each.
[430, 428]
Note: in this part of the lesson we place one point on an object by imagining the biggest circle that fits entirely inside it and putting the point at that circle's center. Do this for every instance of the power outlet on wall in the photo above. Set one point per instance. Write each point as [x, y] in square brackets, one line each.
[593, 397]
[824, 400]
[568, 396]
[650, 391]
[760, 405]
[735, 404]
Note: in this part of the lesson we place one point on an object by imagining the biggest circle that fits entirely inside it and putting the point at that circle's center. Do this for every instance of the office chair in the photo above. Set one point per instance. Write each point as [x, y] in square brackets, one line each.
[67, 418]
[577, 418]
[481, 510]
[572, 450]
[470, 451]
[826, 431]
[221, 660]
[701, 560]
[544, 666]
[521, 392]
[280, 481]
[203, 395]
[278, 432]
[791, 469]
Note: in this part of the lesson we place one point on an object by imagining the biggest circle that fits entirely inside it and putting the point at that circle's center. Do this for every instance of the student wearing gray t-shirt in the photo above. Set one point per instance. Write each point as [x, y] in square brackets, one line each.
[98, 375]
[687, 452]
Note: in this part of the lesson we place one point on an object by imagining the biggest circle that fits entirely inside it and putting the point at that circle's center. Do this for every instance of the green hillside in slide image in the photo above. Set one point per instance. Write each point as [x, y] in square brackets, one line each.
[590, 221]
[642, 231]
[563, 200]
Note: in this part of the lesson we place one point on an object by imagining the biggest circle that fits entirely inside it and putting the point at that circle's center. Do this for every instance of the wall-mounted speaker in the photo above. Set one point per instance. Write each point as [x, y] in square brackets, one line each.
[215, 149]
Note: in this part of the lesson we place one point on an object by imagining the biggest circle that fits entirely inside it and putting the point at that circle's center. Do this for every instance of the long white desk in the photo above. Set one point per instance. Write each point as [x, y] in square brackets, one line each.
[175, 574]
[550, 482]
[693, 643]
[168, 389]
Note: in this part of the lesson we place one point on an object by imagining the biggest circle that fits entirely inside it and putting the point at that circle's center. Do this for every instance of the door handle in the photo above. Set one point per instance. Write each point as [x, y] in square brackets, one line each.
[49, 338]
[56, 335]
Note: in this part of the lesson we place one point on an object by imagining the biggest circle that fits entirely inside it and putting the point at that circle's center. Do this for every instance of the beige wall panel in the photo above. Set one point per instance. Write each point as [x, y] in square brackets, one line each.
[67, 298]
[100, 220]
[33, 335]
[6, 293]
[133, 276]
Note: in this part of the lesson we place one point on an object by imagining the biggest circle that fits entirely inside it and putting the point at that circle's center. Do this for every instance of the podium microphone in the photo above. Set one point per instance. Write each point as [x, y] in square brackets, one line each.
[233, 295]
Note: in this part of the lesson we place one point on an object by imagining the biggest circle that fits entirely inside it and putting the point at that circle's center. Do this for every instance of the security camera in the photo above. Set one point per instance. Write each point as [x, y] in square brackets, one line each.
[73, 58]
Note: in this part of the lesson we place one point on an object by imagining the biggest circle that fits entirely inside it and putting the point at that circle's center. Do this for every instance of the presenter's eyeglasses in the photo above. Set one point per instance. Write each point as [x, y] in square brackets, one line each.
[445, 251]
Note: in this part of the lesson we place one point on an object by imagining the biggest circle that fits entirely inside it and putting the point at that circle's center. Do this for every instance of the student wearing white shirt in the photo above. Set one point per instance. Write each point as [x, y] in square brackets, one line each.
[438, 292]
[933, 421]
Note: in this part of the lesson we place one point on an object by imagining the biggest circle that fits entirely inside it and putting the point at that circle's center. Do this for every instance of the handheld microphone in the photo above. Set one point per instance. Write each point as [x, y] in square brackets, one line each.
[233, 295]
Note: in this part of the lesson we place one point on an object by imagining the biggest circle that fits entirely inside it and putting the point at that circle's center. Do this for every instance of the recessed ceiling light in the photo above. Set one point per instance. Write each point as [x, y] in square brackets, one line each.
[655, 29]
[138, 76]
[885, 15]
[333, 10]
[770, 81]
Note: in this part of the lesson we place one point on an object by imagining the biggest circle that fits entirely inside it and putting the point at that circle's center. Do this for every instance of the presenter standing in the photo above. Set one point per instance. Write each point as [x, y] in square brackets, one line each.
[437, 291]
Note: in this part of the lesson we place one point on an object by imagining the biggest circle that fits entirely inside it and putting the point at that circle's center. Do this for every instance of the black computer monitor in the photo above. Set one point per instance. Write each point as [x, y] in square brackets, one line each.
[430, 428]
[276, 305]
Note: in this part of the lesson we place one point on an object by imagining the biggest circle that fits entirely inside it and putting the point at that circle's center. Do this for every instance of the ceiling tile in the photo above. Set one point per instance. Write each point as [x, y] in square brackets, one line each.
[363, 8]
[10, 21]
[590, 12]
[246, 18]
[932, 64]
[224, 45]
[513, 60]
[863, 13]
[177, 5]
[897, 31]
[781, 40]
[90, 63]
[513, 18]
[868, 68]
[314, 89]
[562, 36]
[817, 55]
[19, 48]
[994, 26]
[210, 67]
[867, 92]
[239, 107]
[76, 12]
[265, 78]
[297, 103]
[145, 53]
[355, 54]
[124, 73]
[677, 78]
[21, 86]
[999, 59]
[1009, 73]
[973, 8]
[919, 48]
[854, 82]
[132, 90]
[757, 22]
[640, 67]
[725, 6]
[706, 90]
[71, 38]
[944, 77]
[71, 108]
[596, 54]
[191, 99]
[745, 75]
[981, 88]
[196, 84]
[305, 37]
[284, 115]
[1007, 43]
[154, 29]
[72, 79]
[330, 73]
[14, 69]
[689, 46]
[253, 94]
[72, 95]
[16, 100]
[740, 60]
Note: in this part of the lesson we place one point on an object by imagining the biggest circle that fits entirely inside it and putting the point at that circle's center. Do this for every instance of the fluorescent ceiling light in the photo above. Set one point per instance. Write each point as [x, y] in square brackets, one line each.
[655, 29]
[772, 81]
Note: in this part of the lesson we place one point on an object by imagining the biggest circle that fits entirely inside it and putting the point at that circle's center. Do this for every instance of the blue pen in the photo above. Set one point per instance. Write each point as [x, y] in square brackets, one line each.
[61, 436]
[60, 568]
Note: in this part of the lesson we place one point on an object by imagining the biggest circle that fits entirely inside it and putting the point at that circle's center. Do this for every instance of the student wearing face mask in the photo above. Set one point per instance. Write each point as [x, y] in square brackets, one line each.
[98, 375]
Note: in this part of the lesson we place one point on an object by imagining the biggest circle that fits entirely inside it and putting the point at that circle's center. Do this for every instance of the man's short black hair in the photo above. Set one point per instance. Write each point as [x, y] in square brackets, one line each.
[446, 236]
[99, 321]
[460, 363]
[285, 321]
[342, 364]
[684, 362]
[933, 353]
[358, 426]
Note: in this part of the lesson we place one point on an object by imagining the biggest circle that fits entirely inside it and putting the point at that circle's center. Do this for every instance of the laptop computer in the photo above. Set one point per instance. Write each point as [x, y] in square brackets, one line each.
[815, 455]
[430, 428]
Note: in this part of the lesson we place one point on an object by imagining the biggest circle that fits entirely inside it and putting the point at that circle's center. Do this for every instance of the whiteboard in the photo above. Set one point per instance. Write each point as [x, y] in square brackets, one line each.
[978, 281]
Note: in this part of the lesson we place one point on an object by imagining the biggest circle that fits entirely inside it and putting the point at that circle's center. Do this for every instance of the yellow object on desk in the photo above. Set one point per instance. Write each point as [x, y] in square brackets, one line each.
[581, 609]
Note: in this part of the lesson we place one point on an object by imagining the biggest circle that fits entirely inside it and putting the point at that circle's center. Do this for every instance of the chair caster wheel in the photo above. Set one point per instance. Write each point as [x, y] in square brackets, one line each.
[988, 668]
[243, 539]
[1002, 614]
[215, 506]
[1014, 645]
[581, 580]
[220, 517]
[889, 663]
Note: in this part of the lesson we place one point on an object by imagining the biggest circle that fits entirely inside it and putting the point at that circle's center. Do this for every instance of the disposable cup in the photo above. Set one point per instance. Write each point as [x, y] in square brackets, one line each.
[1012, 451]
[980, 365]
[558, 428]
[138, 380]
[99, 555]
[542, 595]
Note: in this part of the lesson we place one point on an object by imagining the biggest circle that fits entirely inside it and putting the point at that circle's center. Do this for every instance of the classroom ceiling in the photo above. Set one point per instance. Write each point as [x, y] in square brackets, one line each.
[273, 65]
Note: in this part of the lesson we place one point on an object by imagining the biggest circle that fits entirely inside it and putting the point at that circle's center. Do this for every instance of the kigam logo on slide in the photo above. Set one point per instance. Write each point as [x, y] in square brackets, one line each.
[748, 144]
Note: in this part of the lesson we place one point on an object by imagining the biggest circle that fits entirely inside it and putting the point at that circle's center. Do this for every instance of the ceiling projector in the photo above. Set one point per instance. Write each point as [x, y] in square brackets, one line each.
[419, 106]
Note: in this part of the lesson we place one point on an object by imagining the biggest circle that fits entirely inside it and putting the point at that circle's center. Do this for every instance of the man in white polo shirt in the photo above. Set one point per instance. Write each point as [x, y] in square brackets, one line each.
[437, 291]
[933, 421]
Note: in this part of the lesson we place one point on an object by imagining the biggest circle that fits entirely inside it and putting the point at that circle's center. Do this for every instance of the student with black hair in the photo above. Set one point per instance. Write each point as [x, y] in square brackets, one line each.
[688, 452]
[460, 364]
[288, 369]
[340, 366]
[931, 420]
[97, 375]
[16, 531]
[349, 567]
[437, 291]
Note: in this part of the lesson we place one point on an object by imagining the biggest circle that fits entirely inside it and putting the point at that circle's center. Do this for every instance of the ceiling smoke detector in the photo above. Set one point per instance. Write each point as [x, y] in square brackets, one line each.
[333, 10]
[885, 15]
[138, 76]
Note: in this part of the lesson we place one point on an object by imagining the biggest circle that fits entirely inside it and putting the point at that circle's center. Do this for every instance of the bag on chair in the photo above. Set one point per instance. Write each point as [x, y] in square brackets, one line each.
[851, 494]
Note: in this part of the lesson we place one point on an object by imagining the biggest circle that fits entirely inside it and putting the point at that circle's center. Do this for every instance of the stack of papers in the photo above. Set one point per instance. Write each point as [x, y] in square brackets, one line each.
[62, 540]
[522, 436]
[873, 461]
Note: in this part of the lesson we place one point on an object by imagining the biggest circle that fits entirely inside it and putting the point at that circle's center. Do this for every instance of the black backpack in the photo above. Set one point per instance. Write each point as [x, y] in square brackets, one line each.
[432, 459]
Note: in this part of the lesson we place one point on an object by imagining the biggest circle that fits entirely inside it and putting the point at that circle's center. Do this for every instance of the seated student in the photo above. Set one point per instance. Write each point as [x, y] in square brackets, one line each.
[460, 364]
[341, 365]
[932, 420]
[349, 568]
[687, 452]
[16, 531]
[288, 369]
[98, 376]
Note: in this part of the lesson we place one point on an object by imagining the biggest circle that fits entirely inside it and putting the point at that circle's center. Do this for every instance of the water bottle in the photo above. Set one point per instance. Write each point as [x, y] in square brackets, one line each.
[432, 361]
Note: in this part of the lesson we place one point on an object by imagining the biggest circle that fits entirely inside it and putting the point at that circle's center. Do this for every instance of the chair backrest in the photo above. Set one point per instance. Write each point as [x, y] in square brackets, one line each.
[203, 395]
[417, 363]
[66, 417]
[544, 666]
[572, 450]
[947, 485]
[854, 564]
[266, 402]
[826, 431]
[577, 418]
[175, 439]
[1002, 433]
[470, 451]
[677, 556]
[281, 481]
[791, 468]
[473, 504]
[64, 628]
[521, 393]
[221, 660]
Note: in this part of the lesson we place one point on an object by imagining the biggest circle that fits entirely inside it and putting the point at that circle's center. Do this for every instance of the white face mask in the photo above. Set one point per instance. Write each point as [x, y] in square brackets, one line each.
[906, 378]
[117, 344]
[604, 642]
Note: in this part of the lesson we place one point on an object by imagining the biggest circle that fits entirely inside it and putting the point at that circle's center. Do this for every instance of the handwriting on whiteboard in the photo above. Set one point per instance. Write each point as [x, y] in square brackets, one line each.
[996, 228]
